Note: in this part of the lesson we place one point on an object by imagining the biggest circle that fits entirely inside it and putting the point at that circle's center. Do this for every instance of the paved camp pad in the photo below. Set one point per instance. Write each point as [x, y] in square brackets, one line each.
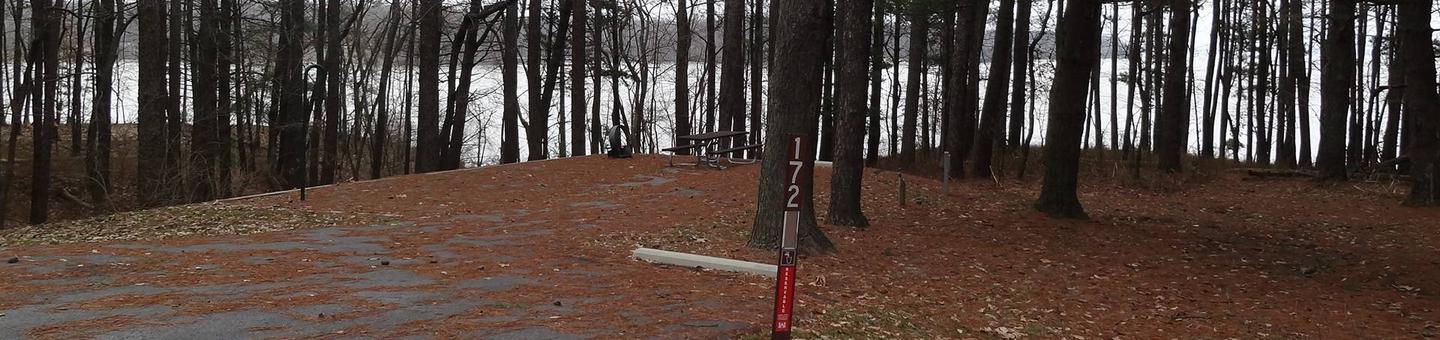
[540, 250]
[504, 254]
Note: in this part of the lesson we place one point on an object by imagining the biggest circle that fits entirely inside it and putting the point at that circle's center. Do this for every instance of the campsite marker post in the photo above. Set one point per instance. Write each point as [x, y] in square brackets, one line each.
[945, 178]
[785, 279]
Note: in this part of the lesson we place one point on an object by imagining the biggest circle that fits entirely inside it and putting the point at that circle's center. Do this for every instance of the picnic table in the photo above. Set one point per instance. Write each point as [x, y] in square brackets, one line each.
[709, 150]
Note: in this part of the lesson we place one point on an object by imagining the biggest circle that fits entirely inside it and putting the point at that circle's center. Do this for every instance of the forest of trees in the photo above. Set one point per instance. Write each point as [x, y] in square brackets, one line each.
[214, 98]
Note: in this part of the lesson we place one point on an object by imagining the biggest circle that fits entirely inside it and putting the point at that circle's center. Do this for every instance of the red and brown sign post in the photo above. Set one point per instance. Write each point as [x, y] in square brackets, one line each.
[785, 279]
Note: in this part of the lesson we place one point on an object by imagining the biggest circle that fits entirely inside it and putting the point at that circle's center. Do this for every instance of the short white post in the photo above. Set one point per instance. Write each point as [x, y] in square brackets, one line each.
[945, 178]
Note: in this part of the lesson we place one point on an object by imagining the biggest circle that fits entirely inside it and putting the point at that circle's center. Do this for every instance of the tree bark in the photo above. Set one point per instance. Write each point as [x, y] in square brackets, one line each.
[958, 127]
[1295, 71]
[877, 68]
[992, 114]
[894, 134]
[1076, 43]
[1337, 60]
[291, 85]
[757, 76]
[1303, 100]
[23, 86]
[1175, 110]
[1020, 61]
[1207, 124]
[1421, 100]
[428, 143]
[333, 78]
[1133, 80]
[382, 119]
[682, 73]
[851, 62]
[72, 120]
[224, 61]
[98, 140]
[597, 38]
[152, 96]
[732, 69]
[710, 64]
[919, 38]
[44, 23]
[175, 124]
[577, 79]
[1114, 78]
[1354, 152]
[510, 62]
[795, 86]
[538, 129]
[203, 87]
[1394, 97]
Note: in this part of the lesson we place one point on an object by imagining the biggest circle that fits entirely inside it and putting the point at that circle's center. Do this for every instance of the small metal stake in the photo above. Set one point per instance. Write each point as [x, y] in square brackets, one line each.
[945, 178]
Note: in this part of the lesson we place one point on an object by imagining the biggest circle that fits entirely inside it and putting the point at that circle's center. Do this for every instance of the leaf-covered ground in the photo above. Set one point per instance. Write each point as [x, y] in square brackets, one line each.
[1219, 256]
[203, 219]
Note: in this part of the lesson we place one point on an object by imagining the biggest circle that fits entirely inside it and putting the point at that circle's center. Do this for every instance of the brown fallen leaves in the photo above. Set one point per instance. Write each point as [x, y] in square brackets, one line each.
[204, 219]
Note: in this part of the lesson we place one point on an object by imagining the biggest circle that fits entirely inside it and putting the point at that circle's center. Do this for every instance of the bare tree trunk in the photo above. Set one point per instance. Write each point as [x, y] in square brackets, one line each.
[682, 73]
[1337, 60]
[97, 160]
[894, 87]
[992, 115]
[382, 119]
[224, 85]
[428, 143]
[175, 126]
[1114, 78]
[639, 124]
[453, 131]
[795, 87]
[1133, 80]
[45, 26]
[553, 62]
[1354, 152]
[1263, 142]
[510, 60]
[1020, 62]
[72, 120]
[1207, 124]
[1303, 102]
[538, 129]
[1233, 43]
[826, 137]
[1291, 88]
[877, 68]
[333, 75]
[152, 99]
[1371, 115]
[577, 80]
[852, 62]
[1421, 99]
[732, 69]
[919, 38]
[23, 87]
[1394, 96]
[409, 97]
[1148, 100]
[290, 83]
[1170, 141]
[757, 77]
[959, 128]
[203, 87]
[710, 64]
[1077, 41]
[922, 145]
[597, 35]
